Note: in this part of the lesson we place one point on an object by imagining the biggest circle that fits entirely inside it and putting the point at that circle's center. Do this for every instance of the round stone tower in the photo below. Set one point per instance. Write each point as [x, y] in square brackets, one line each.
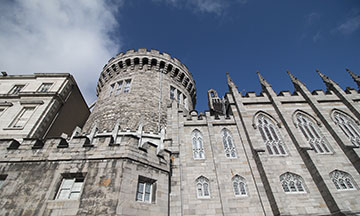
[136, 88]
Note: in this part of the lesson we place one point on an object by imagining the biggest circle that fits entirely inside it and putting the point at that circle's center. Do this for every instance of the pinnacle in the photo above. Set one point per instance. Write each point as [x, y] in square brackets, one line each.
[262, 80]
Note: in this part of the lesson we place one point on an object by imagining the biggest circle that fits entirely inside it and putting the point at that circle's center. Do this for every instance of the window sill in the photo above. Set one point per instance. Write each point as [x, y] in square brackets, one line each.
[13, 128]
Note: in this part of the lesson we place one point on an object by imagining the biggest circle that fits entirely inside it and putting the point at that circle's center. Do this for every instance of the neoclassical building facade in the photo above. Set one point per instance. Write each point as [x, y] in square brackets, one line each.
[145, 150]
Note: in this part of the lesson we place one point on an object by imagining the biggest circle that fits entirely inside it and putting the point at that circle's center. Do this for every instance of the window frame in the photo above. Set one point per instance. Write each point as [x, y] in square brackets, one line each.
[127, 86]
[349, 126]
[19, 115]
[202, 181]
[239, 179]
[2, 179]
[12, 90]
[198, 147]
[270, 135]
[226, 135]
[75, 177]
[142, 180]
[312, 134]
[289, 178]
[342, 175]
[43, 84]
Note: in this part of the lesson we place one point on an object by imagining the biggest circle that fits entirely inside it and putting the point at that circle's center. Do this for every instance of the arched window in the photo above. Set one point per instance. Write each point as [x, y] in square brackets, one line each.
[229, 146]
[197, 144]
[292, 183]
[342, 180]
[270, 135]
[239, 186]
[203, 187]
[348, 126]
[310, 131]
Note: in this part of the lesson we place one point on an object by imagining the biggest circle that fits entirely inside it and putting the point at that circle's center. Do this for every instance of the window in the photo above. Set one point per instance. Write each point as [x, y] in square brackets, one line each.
[202, 187]
[178, 96]
[146, 190]
[2, 109]
[112, 86]
[342, 180]
[127, 86]
[239, 186]
[185, 101]
[197, 144]
[45, 87]
[310, 131]
[16, 89]
[229, 146]
[22, 117]
[348, 126]
[172, 92]
[292, 183]
[119, 86]
[270, 135]
[2, 179]
[70, 188]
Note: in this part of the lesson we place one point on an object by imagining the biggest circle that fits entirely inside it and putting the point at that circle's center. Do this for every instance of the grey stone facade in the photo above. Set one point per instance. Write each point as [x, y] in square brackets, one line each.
[145, 151]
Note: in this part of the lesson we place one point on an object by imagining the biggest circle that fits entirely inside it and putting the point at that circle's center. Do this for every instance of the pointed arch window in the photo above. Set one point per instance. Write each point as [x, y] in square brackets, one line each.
[312, 134]
[239, 186]
[197, 145]
[203, 187]
[228, 142]
[292, 183]
[270, 135]
[342, 180]
[348, 126]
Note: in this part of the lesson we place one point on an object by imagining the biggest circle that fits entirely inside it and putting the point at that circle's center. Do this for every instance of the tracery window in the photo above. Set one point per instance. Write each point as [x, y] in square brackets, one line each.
[310, 131]
[239, 186]
[348, 126]
[342, 180]
[203, 187]
[229, 146]
[270, 135]
[292, 183]
[197, 145]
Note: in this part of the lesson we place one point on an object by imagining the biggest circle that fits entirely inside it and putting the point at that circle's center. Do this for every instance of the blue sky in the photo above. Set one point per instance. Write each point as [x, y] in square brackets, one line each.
[211, 37]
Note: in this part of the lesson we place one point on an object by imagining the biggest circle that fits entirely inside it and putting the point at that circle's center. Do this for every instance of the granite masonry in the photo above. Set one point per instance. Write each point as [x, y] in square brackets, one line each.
[144, 150]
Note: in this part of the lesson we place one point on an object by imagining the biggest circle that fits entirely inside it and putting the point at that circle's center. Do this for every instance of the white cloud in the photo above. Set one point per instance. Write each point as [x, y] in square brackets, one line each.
[316, 37]
[312, 17]
[58, 36]
[350, 25]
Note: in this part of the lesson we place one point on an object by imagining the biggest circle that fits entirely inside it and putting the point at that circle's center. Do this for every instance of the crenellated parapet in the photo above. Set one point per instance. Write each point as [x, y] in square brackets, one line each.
[144, 59]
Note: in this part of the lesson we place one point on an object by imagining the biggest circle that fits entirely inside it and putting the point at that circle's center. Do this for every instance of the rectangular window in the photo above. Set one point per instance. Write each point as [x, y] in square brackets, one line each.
[127, 86]
[45, 87]
[185, 101]
[112, 86]
[2, 179]
[119, 86]
[16, 89]
[22, 117]
[172, 93]
[178, 96]
[70, 188]
[146, 190]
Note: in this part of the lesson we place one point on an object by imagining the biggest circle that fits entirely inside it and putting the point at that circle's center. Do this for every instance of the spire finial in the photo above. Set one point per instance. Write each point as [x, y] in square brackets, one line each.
[230, 82]
[355, 77]
[262, 80]
[294, 79]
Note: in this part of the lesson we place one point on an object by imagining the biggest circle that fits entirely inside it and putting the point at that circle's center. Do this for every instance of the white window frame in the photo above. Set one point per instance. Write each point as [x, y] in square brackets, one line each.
[202, 188]
[111, 90]
[292, 183]
[271, 136]
[228, 144]
[20, 115]
[342, 181]
[16, 89]
[197, 145]
[143, 184]
[75, 186]
[119, 85]
[178, 96]
[312, 134]
[172, 93]
[43, 85]
[348, 126]
[239, 186]
[127, 85]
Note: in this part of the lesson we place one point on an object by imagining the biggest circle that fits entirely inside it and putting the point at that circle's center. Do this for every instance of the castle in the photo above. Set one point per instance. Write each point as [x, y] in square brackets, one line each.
[144, 150]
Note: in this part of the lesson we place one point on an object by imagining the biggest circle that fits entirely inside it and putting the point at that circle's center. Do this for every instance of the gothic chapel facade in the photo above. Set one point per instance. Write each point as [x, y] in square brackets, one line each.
[144, 150]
